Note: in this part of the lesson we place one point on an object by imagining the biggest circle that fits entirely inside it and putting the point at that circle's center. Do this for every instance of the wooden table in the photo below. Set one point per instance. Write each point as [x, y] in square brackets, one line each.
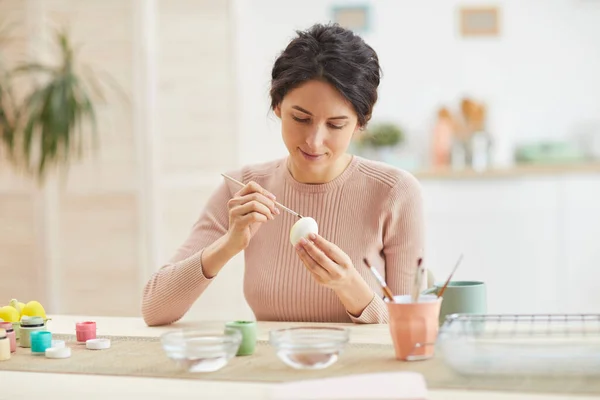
[24, 385]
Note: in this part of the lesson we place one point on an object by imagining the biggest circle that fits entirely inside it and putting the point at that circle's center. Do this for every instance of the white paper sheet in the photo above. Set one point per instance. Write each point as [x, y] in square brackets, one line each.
[377, 386]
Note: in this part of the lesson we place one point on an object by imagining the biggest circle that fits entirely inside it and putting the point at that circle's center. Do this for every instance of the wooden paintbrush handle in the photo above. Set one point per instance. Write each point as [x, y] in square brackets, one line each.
[294, 213]
[388, 293]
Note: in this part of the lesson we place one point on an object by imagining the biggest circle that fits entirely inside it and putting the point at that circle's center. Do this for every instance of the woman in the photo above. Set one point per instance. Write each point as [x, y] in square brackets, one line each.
[324, 87]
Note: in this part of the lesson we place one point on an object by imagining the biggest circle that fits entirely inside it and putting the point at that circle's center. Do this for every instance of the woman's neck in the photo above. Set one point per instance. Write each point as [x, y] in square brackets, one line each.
[325, 175]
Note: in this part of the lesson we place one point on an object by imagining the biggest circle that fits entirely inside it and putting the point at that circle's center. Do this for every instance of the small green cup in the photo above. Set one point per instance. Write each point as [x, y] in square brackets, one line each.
[248, 331]
[461, 297]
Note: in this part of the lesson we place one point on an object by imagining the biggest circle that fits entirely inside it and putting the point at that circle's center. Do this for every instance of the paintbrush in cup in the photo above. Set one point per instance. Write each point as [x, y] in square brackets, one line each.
[417, 282]
[386, 290]
[294, 213]
[441, 292]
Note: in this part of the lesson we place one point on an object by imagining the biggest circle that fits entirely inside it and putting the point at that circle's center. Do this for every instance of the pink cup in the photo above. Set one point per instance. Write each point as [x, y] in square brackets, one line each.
[85, 331]
[414, 326]
[10, 334]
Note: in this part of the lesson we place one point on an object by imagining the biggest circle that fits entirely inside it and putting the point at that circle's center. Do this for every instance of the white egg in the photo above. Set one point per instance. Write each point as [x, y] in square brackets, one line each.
[302, 228]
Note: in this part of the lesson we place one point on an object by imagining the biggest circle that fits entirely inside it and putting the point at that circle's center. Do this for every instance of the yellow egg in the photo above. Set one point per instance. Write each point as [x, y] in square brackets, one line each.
[33, 309]
[9, 314]
[302, 228]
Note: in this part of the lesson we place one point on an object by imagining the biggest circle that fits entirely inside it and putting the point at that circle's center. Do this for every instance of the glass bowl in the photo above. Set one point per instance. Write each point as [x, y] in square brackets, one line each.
[309, 347]
[203, 349]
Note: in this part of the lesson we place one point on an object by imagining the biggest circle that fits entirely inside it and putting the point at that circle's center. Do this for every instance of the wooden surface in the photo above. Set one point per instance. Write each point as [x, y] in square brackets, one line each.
[101, 387]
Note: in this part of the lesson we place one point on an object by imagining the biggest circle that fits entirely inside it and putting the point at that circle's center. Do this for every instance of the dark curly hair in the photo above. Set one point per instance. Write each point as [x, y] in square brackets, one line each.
[333, 54]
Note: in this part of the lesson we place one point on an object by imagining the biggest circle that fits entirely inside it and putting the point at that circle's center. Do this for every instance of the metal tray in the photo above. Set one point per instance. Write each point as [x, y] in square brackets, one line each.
[511, 344]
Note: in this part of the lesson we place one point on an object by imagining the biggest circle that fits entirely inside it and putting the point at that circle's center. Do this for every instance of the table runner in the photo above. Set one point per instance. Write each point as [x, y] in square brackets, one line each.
[144, 357]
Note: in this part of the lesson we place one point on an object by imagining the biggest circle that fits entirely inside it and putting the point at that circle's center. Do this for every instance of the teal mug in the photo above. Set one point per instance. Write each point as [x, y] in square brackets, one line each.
[461, 297]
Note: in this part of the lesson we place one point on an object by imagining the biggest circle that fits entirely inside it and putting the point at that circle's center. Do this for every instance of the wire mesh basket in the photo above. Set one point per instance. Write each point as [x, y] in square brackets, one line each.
[532, 344]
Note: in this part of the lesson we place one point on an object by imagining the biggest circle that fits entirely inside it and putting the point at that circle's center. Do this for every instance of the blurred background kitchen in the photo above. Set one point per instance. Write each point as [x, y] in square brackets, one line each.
[494, 106]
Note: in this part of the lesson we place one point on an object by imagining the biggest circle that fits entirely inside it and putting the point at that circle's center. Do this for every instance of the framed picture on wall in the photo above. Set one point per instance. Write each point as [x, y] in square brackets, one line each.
[479, 21]
[354, 17]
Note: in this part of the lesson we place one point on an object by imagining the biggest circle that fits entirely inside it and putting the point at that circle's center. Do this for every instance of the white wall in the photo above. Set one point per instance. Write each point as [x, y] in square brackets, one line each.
[527, 237]
[540, 77]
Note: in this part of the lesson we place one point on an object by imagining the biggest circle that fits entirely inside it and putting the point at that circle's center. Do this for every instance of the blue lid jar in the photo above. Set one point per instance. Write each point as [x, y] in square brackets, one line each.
[40, 341]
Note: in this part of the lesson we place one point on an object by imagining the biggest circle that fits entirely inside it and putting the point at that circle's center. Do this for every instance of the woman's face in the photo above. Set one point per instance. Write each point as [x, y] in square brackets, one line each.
[317, 127]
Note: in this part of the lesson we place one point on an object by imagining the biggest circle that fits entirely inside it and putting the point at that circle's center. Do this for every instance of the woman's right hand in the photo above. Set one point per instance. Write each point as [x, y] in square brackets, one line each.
[248, 210]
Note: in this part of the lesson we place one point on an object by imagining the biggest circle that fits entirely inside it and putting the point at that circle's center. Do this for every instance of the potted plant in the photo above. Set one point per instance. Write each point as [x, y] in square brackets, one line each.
[380, 140]
[51, 123]
[383, 135]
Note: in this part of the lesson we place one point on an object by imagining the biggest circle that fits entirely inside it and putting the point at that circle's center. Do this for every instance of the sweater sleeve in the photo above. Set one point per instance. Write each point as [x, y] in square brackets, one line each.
[403, 245]
[172, 290]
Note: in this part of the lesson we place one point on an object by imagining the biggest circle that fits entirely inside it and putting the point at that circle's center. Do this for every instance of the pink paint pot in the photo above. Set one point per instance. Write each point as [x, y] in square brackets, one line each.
[10, 334]
[85, 331]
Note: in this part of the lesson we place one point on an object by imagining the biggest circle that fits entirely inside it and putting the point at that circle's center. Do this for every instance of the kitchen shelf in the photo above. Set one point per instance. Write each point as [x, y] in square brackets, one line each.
[517, 171]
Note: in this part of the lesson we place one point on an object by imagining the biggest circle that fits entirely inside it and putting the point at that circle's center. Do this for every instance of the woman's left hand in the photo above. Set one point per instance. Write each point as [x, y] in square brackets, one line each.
[327, 263]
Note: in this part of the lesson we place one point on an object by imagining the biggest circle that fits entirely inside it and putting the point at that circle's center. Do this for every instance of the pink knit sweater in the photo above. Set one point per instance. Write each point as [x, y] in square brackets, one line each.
[371, 210]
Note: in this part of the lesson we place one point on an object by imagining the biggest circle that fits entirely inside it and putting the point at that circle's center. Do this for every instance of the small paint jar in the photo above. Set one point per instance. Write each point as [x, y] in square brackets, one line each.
[10, 333]
[4, 346]
[28, 326]
[40, 341]
[248, 331]
[85, 331]
[17, 328]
